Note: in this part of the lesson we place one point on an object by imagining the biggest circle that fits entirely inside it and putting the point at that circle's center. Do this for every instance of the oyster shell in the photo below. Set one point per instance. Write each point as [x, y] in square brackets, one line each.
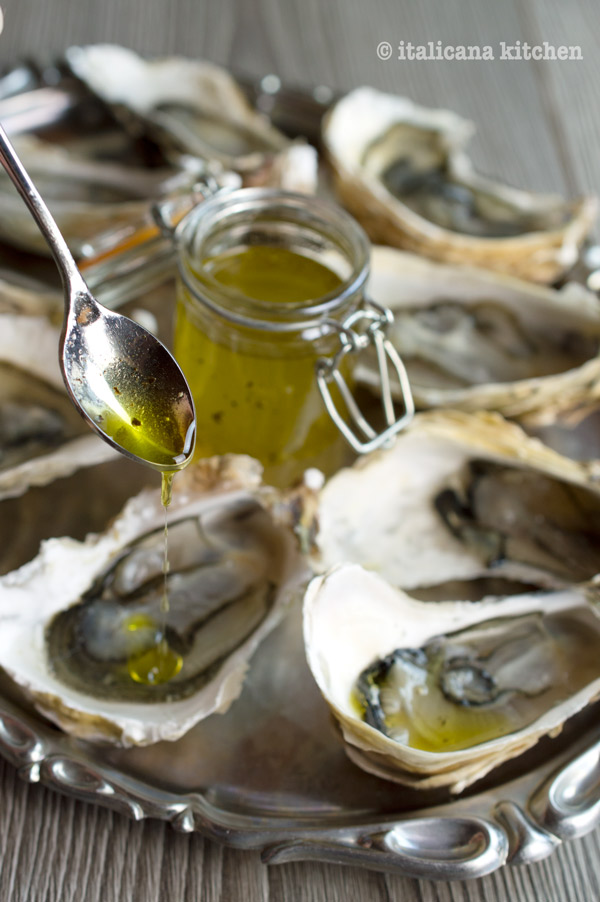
[405, 175]
[42, 437]
[195, 108]
[85, 608]
[22, 295]
[461, 497]
[474, 340]
[27, 297]
[86, 197]
[458, 691]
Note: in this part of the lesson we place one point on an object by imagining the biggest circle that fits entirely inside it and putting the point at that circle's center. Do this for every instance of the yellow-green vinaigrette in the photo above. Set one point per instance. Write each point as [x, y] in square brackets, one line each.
[266, 405]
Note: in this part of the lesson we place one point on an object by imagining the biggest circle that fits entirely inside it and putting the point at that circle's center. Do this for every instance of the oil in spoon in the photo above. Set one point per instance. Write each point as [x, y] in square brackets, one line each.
[155, 431]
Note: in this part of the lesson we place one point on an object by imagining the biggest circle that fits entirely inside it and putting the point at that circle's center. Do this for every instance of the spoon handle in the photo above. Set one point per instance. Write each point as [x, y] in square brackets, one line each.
[72, 279]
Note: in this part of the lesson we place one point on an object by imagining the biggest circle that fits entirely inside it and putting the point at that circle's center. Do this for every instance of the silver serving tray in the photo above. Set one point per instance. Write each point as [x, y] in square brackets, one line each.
[271, 774]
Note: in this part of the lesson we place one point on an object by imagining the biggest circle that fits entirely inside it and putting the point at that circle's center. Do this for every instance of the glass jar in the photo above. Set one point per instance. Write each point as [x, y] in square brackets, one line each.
[250, 359]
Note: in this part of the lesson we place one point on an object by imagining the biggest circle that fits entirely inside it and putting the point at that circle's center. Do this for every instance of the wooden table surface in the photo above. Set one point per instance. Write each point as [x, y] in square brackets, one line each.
[538, 127]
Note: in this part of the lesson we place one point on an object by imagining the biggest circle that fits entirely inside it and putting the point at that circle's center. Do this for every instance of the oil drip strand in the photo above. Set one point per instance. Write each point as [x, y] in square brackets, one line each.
[159, 663]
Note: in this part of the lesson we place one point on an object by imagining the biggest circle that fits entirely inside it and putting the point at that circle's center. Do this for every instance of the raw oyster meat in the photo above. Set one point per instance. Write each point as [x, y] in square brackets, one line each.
[402, 170]
[440, 698]
[475, 340]
[74, 617]
[42, 437]
[195, 108]
[461, 497]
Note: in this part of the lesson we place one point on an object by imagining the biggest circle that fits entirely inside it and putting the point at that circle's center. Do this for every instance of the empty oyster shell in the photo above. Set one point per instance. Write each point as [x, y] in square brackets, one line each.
[195, 108]
[73, 618]
[475, 340]
[461, 497]
[405, 176]
[42, 437]
[439, 697]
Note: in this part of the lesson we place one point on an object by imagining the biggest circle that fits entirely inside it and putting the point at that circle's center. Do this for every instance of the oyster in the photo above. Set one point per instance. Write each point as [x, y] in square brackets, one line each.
[28, 297]
[42, 437]
[476, 340]
[195, 108]
[462, 497]
[86, 197]
[440, 700]
[75, 618]
[405, 175]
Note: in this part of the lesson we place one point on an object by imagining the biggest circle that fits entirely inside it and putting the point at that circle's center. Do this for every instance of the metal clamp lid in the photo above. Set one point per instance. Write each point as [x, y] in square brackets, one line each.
[375, 320]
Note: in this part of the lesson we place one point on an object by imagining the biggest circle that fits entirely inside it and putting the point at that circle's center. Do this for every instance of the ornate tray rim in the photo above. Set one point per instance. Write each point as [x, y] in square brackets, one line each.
[518, 822]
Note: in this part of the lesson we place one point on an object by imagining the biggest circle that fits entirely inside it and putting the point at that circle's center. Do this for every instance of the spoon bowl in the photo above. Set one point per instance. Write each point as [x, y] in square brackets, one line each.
[120, 377]
[127, 385]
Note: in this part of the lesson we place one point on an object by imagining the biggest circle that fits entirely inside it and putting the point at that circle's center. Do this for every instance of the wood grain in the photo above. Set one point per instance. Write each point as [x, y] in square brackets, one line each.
[538, 127]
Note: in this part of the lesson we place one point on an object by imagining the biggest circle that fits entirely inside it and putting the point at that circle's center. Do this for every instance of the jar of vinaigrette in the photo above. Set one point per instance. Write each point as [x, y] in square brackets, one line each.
[266, 281]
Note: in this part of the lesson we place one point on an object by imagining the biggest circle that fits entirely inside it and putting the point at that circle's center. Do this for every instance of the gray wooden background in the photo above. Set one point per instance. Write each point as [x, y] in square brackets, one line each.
[538, 127]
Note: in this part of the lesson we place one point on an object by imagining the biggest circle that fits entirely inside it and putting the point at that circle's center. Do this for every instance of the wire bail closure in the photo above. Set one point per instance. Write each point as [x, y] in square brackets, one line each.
[375, 319]
[167, 214]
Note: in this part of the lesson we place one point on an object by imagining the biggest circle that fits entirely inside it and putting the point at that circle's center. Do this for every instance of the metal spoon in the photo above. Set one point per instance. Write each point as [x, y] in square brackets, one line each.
[122, 380]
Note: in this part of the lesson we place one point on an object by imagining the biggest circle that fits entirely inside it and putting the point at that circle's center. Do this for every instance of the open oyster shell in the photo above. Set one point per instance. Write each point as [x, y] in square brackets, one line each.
[485, 680]
[195, 108]
[458, 498]
[42, 437]
[476, 340]
[73, 617]
[85, 196]
[401, 169]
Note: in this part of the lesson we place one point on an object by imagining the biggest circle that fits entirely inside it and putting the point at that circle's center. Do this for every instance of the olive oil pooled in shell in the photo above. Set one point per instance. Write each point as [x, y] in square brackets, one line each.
[480, 683]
